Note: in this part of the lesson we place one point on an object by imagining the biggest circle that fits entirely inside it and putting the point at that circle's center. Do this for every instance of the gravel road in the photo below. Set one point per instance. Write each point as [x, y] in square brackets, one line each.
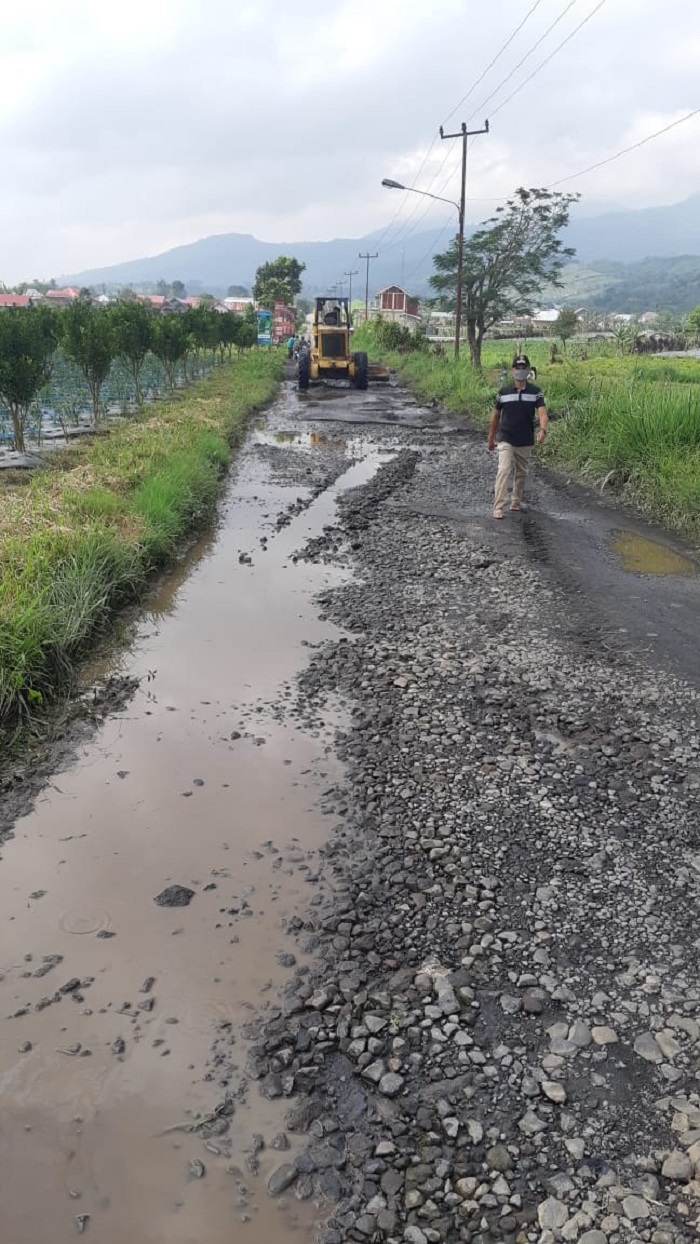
[499, 1039]
[447, 778]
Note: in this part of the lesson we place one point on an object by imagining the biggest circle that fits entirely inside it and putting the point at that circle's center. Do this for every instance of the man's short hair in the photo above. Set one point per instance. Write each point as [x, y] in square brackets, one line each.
[520, 360]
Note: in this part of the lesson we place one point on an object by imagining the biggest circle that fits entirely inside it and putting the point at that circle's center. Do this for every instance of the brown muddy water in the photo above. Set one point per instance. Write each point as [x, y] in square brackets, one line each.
[641, 555]
[162, 795]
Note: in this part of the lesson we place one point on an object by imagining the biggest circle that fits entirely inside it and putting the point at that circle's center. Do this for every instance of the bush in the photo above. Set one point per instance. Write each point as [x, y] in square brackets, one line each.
[391, 336]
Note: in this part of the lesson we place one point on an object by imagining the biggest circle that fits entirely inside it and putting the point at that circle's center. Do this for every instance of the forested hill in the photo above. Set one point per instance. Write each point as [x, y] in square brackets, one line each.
[613, 247]
[658, 284]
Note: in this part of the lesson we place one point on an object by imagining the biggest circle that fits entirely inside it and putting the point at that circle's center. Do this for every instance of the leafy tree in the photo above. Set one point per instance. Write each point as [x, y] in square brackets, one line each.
[162, 288]
[506, 262]
[566, 324]
[230, 326]
[247, 332]
[133, 332]
[169, 343]
[178, 289]
[278, 281]
[27, 342]
[88, 340]
[237, 291]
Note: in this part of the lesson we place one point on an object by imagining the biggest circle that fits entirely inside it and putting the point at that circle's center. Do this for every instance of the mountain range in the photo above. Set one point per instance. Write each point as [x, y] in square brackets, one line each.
[606, 245]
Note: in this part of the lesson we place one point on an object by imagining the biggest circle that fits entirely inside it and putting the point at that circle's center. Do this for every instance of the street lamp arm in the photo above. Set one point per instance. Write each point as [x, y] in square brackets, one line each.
[397, 185]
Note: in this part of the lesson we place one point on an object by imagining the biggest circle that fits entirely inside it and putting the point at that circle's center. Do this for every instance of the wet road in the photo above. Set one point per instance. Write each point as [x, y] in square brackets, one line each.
[204, 782]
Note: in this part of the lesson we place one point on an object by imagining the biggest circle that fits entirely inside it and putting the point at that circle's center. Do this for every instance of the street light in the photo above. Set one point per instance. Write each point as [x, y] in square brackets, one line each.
[464, 134]
[397, 185]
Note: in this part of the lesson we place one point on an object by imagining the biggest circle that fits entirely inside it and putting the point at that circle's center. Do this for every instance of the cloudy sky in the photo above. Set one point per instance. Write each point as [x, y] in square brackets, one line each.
[131, 127]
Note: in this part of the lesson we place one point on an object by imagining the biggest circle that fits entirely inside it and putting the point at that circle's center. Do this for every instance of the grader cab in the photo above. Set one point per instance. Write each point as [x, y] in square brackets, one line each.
[328, 355]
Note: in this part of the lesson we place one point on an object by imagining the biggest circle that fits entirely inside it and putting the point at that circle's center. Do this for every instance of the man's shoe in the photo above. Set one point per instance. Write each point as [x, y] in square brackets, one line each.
[498, 512]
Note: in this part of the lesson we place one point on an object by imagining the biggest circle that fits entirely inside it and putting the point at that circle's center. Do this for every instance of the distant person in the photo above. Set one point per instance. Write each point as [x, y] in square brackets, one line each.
[290, 347]
[513, 418]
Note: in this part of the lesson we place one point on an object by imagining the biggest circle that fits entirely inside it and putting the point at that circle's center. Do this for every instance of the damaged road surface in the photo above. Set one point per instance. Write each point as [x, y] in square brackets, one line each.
[416, 797]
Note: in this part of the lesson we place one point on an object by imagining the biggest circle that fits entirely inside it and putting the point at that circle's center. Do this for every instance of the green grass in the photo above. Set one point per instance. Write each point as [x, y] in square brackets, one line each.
[81, 538]
[629, 424]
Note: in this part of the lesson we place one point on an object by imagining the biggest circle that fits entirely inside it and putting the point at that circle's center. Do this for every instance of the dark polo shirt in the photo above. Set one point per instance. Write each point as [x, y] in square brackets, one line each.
[517, 409]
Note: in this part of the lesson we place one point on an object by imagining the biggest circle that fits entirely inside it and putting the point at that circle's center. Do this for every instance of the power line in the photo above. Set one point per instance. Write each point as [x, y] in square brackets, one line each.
[571, 176]
[426, 157]
[491, 63]
[527, 55]
[625, 150]
[549, 58]
[405, 231]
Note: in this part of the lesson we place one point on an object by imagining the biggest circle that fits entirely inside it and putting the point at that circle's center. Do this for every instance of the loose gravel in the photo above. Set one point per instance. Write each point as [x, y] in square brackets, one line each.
[499, 1036]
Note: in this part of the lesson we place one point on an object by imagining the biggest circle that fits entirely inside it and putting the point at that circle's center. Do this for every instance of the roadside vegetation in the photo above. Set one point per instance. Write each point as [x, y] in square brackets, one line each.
[59, 367]
[79, 538]
[630, 424]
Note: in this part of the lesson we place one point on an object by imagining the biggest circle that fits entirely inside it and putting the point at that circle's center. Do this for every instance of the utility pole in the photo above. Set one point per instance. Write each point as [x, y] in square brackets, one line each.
[464, 134]
[351, 274]
[367, 257]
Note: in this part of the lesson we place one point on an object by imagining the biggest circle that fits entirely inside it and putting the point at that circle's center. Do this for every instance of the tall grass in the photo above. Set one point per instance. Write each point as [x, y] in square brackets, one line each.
[82, 537]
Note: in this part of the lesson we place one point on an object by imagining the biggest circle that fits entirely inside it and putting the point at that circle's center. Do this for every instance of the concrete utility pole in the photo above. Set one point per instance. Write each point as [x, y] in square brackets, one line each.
[464, 134]
[368, 257]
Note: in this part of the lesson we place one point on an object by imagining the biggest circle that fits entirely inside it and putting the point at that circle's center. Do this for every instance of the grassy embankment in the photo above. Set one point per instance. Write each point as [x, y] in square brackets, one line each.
[630, 424]
[79, 539]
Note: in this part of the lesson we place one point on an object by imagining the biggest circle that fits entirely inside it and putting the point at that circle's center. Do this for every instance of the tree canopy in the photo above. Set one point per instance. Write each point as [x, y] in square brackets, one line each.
[506, 262]
[27, 343]
[278, 281]
[566, 324]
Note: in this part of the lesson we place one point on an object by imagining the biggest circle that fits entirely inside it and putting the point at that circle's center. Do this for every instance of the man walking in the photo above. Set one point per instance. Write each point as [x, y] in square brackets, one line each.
[513, 418]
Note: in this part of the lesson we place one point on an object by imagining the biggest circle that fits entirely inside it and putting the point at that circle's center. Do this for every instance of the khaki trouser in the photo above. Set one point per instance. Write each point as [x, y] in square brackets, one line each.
[511, 457]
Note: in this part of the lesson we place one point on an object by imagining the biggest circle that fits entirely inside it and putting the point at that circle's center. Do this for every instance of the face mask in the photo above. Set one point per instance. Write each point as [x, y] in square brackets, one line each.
[520, 373]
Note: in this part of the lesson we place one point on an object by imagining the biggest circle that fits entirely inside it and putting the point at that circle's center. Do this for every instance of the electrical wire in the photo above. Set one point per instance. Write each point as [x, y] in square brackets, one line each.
[527, 56]
[547, 59]
[581, 173]
[496, 58]
[625, 150]
[405, 231]
[436, 136]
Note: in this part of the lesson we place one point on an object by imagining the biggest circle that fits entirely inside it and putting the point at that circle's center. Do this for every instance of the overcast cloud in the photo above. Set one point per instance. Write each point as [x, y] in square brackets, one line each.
[129, 128]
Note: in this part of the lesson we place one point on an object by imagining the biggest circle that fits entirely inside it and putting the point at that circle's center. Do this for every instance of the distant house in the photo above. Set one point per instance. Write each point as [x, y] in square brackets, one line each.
[15, 300]
[393, 298]
[154, 300]
[62, 297]
[548, 316]
[239, 305]
[395, 304]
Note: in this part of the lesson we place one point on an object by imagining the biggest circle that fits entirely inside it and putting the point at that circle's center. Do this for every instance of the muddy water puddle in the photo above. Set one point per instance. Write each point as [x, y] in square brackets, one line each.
[112, 1001]
[644, 556]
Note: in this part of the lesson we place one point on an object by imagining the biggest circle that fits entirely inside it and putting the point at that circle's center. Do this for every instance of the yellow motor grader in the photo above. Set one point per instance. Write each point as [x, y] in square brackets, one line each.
[328, 355]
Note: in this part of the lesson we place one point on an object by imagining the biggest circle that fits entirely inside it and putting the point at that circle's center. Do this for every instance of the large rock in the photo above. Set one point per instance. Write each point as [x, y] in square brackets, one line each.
[678, 1165]
[552, 1214]
[282, 1178]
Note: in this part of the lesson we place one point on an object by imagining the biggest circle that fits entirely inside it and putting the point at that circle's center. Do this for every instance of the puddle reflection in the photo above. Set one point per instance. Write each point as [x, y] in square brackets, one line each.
[643, 556]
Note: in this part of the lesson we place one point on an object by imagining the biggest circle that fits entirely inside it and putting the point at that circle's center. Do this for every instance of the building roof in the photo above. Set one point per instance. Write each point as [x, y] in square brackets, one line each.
[14, 300]
[70, 291]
